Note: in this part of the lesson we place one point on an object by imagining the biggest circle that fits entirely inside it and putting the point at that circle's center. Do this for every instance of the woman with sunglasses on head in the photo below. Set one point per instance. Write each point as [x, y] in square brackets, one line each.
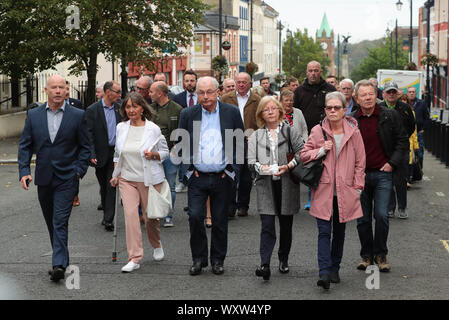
[337, 198]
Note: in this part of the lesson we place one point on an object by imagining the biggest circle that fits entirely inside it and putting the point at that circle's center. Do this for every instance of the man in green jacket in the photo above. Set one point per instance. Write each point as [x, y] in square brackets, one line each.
[166, 115]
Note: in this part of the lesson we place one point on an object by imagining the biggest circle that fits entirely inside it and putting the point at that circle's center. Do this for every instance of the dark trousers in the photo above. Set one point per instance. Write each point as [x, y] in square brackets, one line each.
[217, 188]
[56, 202]
[375, 198]
[399, 189]
[330, 252]
[268, 230]
[107, 192]
[240, 194]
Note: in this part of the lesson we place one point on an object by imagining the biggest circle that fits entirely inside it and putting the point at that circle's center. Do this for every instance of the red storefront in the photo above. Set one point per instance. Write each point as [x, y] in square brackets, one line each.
[173, 67]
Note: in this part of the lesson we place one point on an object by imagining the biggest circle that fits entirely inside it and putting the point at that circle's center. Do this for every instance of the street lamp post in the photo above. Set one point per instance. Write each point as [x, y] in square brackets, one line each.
[280, 27]
[428, 4]
[390, 35]
[410, 36]
[396, 36]
[290, 35]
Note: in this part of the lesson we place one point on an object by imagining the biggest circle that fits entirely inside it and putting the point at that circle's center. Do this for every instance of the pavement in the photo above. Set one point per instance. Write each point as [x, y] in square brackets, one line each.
[8, 150]
[418, 252]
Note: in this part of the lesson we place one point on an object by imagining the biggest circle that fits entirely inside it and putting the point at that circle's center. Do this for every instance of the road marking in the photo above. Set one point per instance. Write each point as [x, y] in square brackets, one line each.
[440, 194]
[445, 244]
[426, 178]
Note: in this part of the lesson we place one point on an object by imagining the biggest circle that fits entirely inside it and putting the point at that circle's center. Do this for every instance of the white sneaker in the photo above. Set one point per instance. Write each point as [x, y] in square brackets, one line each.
[158, 254]
[402, 214]
[181, 188]
[131, 266]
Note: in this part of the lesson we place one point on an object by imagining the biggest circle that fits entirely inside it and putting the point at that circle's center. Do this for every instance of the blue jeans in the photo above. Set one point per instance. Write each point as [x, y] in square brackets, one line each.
[241, 191]
[182, 171]
[330, 253]
[376, 195]
[170, 170]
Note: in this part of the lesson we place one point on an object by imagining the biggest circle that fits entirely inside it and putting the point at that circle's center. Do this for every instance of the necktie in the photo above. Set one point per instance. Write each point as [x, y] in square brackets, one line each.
[191, 102]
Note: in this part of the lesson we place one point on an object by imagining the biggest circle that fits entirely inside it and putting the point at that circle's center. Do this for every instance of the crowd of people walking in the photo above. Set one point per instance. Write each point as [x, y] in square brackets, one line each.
[366, 147]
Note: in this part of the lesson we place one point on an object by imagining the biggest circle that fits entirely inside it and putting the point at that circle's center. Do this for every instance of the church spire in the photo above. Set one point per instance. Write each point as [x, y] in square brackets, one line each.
[324, 28]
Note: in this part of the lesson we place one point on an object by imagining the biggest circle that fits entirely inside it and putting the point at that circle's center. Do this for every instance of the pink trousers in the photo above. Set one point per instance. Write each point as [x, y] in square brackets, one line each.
[133, 194]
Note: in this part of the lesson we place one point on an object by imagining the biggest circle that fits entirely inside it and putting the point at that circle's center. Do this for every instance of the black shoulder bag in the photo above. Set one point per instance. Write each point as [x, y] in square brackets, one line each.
[310, 173]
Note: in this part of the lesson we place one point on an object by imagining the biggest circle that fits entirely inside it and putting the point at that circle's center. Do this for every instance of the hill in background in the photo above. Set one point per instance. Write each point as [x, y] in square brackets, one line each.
[358, 51]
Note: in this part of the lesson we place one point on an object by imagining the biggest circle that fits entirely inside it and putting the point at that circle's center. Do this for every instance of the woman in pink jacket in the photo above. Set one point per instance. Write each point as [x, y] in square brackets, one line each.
[337, 198]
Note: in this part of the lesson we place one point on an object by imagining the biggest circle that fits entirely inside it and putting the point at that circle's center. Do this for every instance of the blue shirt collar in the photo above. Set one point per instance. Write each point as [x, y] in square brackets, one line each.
[104, 104]
[217, 108]
[62, 108]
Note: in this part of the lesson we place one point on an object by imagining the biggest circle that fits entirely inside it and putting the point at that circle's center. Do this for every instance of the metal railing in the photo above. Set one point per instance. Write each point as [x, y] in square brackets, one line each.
[436, 139]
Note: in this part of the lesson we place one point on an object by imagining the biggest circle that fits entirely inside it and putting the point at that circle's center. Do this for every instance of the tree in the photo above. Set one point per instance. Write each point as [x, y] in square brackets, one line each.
[380, 57]
[25, 50]
[132, 30]
[298, 51]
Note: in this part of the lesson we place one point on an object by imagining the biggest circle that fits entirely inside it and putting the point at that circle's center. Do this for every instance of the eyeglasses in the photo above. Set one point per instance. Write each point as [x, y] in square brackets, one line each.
[267, 110]
[117, 92]
[208, 92]
[141, 89]
[336, 108]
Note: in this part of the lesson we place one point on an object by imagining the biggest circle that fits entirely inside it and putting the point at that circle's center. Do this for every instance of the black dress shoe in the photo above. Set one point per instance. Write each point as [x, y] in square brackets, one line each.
[231, 214]
[218, 268]
[109, 226]
[334, 277]
[324, 281]
[57, 273]
[195, 269]
[283, 267]
[264, 271]
[100, 207]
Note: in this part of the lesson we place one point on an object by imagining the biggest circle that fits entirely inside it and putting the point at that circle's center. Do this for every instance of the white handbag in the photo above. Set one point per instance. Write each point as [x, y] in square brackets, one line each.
[159, 204]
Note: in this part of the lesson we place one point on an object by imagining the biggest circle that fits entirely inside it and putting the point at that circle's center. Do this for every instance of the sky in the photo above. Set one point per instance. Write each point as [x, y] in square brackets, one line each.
[361, 19]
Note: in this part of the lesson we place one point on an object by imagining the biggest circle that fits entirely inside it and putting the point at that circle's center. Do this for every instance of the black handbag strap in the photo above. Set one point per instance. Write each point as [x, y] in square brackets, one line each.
[290, 147]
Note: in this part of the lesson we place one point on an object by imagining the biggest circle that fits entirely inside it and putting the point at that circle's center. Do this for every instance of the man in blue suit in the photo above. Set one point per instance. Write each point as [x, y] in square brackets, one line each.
[56, 132]
[215, 143]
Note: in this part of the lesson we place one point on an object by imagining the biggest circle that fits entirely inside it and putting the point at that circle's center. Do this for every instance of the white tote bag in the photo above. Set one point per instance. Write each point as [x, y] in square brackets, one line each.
[159, 204]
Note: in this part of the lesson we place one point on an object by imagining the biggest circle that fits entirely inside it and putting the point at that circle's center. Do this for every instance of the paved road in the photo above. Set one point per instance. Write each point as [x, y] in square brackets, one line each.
[419, 253]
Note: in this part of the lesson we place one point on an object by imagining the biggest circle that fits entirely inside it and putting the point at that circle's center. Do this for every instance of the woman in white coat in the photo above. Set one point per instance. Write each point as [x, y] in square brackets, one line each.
[134, 164]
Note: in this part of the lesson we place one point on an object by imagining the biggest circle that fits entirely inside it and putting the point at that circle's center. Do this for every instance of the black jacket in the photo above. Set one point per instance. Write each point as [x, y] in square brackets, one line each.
[422, 114]
[406, 113]
[97, 132]
[310, 100]
[392, 135]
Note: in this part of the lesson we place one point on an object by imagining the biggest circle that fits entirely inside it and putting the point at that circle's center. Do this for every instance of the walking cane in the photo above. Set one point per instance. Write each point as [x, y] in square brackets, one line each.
[114, 238]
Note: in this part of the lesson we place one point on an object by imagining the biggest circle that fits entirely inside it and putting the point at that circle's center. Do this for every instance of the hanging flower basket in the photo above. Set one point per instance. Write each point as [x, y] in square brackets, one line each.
[251, 68]
[429, 59]
[220, 64]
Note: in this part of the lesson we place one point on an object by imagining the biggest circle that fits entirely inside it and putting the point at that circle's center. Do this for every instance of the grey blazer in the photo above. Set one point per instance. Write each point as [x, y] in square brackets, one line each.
[259, 144]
